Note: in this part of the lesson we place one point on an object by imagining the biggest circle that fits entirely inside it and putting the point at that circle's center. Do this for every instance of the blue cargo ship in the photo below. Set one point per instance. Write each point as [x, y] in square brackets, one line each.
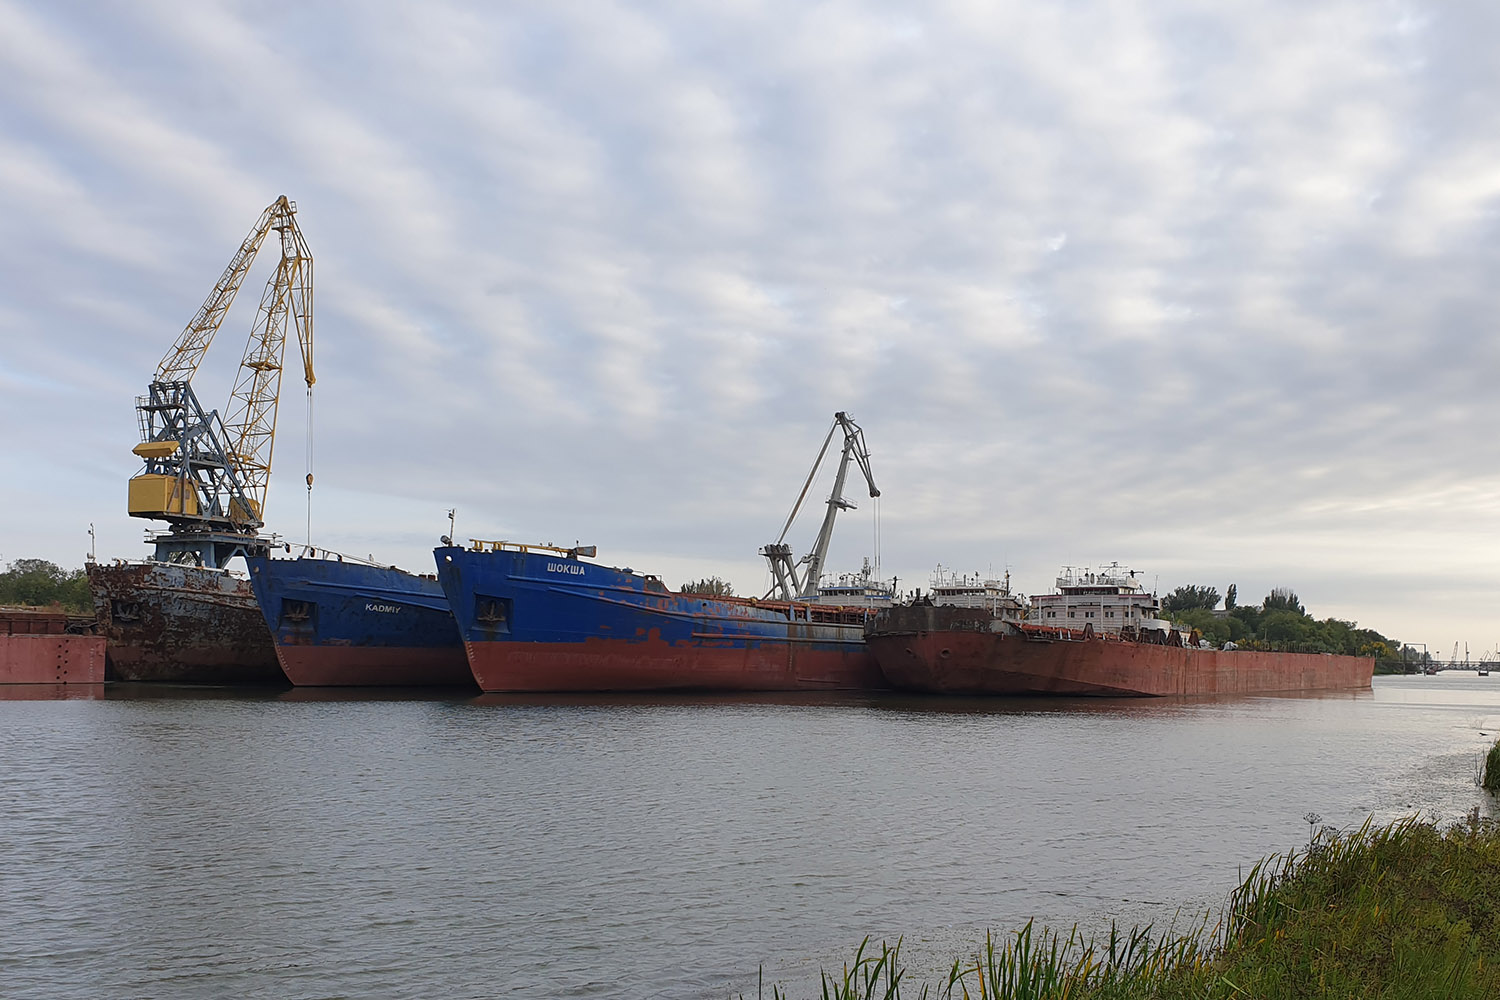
[337, 621]
[540, 618]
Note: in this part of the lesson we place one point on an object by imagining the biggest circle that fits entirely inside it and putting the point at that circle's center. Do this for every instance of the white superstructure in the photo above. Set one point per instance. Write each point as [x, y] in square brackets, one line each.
[967, 591]
[1108, 599]
[858, 590]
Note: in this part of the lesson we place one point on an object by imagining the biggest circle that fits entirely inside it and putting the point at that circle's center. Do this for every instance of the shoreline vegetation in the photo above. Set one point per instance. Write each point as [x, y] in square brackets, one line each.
[1489, 770]
[1280, 623]
[37, 583]
[1406, 911]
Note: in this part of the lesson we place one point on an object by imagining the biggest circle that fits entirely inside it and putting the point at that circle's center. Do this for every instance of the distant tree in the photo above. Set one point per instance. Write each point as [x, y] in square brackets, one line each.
[1231, 597]
[1215, 630]
[1282, 623]
[1290, 630]
[1249, 616]
[1190, 597]
[1282, 599]
[39, 583]
[711, 586]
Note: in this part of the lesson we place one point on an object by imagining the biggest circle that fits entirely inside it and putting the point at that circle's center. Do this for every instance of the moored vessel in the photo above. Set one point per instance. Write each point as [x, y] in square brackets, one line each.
[166, 621]
[42, 647]
[1098, 635]
[541, 618]
[337, 621]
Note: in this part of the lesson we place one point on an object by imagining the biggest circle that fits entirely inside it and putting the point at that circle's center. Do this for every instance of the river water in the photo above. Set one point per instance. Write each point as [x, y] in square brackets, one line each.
[161, 842]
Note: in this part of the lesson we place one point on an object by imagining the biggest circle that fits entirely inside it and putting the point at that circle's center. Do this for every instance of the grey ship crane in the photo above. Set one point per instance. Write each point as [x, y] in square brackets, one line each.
[789, 585]
[207, 478]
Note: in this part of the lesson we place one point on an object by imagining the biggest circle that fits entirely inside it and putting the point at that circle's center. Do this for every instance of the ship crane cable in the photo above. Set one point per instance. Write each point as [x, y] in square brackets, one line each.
[788, 585]
[309, 461]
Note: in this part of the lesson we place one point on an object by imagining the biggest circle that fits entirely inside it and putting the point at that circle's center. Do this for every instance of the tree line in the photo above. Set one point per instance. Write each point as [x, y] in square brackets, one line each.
[1280, 622]
[39, 583]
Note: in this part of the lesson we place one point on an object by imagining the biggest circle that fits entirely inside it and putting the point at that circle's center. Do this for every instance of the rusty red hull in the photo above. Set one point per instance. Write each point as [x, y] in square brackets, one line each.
[51, 659]
[182, 624]
[965, 660]
[385, 666]
[601, 665]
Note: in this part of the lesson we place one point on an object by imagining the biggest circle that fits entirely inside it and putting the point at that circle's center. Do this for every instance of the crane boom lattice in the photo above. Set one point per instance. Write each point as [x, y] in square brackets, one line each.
[181, 362]
[252, 419]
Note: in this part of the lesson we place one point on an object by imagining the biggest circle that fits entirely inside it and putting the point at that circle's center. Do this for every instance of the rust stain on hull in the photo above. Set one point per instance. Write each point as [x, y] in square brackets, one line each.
[964, 651]
[656, 665]
[184, 624]
[51, 659]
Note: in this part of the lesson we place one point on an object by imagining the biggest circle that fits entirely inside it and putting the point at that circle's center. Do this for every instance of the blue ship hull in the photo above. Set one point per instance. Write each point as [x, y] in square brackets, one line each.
[540, 619]
[345, 623]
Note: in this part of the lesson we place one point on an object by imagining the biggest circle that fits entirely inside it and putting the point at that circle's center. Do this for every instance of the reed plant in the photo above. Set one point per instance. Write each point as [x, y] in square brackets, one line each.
[1490, 779]
[1403, 911]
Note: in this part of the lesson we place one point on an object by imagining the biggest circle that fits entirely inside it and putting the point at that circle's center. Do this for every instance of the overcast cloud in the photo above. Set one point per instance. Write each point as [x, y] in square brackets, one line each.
[1207, 288]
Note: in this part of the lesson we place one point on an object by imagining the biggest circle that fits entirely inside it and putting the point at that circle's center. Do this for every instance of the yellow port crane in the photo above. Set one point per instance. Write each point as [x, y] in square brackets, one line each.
[205, 477]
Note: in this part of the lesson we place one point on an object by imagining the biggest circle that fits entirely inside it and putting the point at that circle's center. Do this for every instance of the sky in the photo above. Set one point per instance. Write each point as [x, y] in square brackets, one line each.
[1207, 289]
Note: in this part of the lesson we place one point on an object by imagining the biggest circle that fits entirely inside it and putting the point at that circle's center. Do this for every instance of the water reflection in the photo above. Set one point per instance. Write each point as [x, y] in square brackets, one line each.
[890, 701]
[359, 694]
[670, 699]
[140, 691]
[50, 692]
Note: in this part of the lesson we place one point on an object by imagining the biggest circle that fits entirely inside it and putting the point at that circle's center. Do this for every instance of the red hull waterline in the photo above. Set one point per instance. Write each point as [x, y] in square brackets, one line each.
[374, 666]
[51, 659]
[988, 663]
[655, 665]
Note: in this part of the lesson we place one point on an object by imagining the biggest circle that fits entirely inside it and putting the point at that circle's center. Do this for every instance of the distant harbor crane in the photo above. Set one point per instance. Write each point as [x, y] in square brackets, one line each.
[789, 584]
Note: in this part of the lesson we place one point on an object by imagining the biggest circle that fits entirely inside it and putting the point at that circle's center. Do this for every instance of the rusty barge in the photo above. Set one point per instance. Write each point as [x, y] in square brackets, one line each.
[1097, 636]
[187, 624]
[41, 647]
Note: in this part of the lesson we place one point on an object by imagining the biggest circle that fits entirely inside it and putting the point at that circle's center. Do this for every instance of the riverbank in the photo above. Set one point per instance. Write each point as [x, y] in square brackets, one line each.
[1404, 911]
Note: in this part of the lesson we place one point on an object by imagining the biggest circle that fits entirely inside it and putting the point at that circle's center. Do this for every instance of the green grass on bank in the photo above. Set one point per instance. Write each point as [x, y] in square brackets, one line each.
[1400, 912]
[1489, 778]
